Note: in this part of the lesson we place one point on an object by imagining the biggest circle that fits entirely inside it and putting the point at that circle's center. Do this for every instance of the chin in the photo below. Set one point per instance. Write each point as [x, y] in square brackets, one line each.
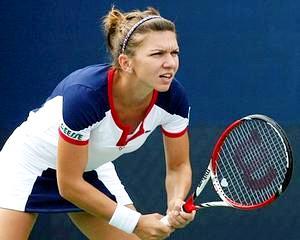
[163, 88]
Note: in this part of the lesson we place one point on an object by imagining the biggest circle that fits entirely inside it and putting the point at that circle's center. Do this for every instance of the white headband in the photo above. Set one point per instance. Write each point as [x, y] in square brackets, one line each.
[134, 27]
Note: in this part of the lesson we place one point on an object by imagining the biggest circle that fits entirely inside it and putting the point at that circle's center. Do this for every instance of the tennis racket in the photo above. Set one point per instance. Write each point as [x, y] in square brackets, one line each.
[250, 166]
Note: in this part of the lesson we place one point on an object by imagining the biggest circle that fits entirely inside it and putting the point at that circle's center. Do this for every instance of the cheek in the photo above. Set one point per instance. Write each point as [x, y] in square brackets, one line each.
[150, 67]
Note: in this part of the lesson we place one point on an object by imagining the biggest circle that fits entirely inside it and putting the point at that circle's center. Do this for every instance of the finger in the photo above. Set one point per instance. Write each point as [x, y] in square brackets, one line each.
[177, 221]
[178, 225]
[182, 219]
[188, 216]
[165, 229]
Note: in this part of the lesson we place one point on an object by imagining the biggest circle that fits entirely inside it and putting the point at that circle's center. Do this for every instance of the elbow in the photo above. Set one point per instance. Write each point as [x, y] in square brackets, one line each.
[66, 189]
[63, 189]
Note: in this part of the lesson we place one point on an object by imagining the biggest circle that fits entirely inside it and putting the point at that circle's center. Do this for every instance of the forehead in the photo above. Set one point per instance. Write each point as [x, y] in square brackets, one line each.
[159, 40]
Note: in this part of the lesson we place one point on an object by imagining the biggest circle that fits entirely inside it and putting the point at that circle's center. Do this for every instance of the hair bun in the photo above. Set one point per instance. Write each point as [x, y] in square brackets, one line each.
[112, 21]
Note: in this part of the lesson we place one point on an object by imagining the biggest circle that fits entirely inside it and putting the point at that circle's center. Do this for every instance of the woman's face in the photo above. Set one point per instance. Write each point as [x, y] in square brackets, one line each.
[156, 61]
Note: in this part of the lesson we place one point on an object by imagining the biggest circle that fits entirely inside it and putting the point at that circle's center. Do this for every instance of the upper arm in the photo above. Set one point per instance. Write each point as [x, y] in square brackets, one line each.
[176, 150]
[71, 162]
[81, 111]
[78, 118]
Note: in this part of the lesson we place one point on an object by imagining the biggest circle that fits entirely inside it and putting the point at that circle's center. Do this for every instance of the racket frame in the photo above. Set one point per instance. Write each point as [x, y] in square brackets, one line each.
[210, 172]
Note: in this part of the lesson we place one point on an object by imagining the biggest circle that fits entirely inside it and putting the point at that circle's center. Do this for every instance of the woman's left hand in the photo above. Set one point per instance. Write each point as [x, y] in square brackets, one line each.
[176, 216]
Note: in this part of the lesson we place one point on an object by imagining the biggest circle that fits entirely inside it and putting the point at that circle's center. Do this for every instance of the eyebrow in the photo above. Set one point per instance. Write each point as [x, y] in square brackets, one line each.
[163, 49]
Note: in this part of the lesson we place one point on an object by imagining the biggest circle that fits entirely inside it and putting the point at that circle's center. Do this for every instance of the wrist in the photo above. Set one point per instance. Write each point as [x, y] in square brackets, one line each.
[175, 203]
[125, 218]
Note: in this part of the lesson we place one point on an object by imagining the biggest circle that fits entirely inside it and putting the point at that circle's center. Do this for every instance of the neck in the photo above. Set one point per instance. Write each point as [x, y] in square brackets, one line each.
[128, 91]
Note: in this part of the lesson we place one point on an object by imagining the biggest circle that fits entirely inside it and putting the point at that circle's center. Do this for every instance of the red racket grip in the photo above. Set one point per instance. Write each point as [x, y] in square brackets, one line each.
[189, 205]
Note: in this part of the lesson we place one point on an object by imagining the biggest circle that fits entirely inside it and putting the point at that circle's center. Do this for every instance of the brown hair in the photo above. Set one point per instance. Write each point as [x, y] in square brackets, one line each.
[118, 24]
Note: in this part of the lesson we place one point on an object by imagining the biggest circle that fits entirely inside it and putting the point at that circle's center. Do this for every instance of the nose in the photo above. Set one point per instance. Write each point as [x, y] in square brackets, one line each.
[170, 61]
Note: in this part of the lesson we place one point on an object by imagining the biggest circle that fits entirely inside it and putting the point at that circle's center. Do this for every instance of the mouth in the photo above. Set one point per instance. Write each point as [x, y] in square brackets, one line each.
[166, 76]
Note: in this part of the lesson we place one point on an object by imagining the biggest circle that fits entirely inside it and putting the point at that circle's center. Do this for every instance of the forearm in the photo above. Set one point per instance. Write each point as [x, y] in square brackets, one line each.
[178, 181]
[88, 198]
[75, 189]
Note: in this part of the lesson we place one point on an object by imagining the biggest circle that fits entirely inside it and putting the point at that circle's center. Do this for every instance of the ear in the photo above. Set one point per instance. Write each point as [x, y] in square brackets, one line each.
[125, 63]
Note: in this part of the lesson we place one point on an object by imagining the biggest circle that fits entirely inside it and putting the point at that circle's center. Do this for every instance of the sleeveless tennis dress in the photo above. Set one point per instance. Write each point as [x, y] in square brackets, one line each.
[81, 111]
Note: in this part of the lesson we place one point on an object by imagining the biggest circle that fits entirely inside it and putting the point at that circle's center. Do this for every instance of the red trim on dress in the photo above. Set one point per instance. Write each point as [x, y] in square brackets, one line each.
[126, 128]
[71, 140]
[174, 135]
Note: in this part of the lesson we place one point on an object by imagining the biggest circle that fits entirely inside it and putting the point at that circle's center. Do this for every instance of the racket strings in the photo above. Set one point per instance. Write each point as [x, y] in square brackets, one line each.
[264, 167]
[274, 146]
[252, 163]
[235, 179]
[261, 167]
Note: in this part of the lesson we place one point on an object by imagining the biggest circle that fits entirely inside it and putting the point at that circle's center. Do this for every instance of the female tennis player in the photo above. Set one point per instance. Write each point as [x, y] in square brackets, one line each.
[59, 159]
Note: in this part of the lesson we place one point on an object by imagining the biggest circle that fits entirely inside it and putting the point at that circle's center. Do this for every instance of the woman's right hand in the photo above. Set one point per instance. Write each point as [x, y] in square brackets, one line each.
[150, 227]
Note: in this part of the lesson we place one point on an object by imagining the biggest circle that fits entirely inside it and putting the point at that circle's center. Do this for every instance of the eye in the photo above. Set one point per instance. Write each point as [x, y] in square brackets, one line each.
[175, 53]
[156, 54]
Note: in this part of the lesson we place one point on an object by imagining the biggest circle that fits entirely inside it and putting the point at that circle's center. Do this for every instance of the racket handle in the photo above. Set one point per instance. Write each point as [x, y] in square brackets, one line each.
[189, 205]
